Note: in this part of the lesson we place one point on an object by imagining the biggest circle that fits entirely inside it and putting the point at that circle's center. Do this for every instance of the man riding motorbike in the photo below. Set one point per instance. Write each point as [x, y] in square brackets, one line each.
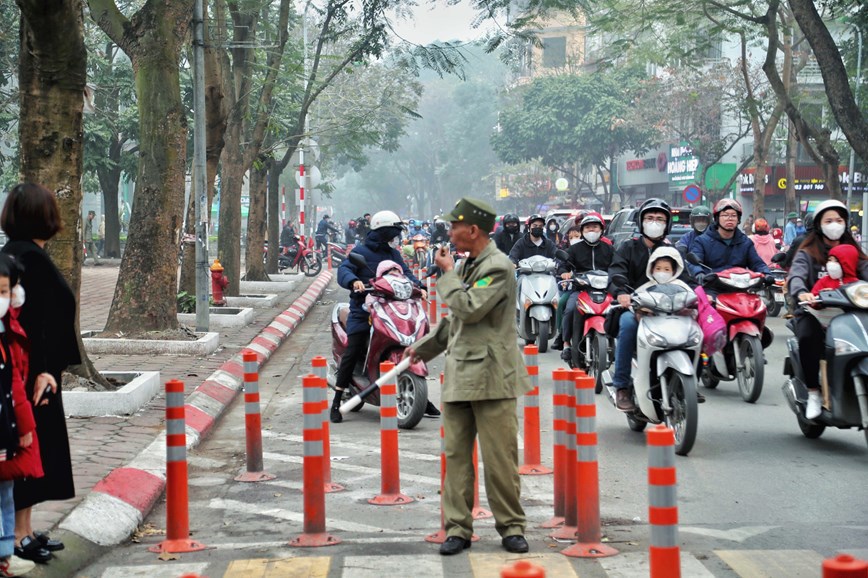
[380, 245]
[533, 242]
[700, 218]
[508, 234]
[631, 261]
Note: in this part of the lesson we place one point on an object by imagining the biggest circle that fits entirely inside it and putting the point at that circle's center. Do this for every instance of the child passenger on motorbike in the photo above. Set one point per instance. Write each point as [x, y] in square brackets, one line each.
[810, 264]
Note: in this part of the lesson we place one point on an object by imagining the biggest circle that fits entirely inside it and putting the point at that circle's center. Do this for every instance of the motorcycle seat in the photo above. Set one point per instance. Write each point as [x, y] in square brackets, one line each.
[343, 315]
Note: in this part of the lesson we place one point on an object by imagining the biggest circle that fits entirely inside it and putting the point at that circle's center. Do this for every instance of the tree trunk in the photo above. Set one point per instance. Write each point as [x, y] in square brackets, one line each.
[52, 71]
[256, 222]
[229, 235]
[792, 148]
[145, 297]
[274, 194]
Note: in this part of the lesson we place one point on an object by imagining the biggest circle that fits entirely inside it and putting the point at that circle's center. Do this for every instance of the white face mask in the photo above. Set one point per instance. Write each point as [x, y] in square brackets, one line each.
[662, 276]
[592, 237]
[395, 243]
[834, 269]
[17, 296]
[833, 231]
[653, 229]
[573, 241]
[4, 306]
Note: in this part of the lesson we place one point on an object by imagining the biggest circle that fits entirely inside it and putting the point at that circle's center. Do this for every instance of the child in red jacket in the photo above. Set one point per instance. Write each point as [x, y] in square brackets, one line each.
[19, 449]
[840, 268]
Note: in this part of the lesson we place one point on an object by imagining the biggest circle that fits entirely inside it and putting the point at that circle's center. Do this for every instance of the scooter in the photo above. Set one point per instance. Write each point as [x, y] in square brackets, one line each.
[338, 252]
[668, 344]
[773, 295]
[590, 346]
[844, 375]
[537, 300]
[302, 256]
[398, 319]
[742, 308]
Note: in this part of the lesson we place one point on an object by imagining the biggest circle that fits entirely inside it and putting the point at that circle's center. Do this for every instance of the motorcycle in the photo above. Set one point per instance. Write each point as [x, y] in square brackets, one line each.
[844, 365]
[398, 319]
[668, 345]
[590, 346]
[338, 252]
[742, 308]
[537, 300]
[420, 250]
[302, 256]
[773, 295]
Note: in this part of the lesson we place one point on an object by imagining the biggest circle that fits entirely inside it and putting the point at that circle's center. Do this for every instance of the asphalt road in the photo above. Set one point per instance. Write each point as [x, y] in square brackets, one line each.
[755, 497]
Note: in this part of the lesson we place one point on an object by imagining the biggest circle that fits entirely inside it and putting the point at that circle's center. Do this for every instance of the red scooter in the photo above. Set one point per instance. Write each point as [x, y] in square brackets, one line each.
[739, 301]
[302, 256]
[398, 319]
[590, 345]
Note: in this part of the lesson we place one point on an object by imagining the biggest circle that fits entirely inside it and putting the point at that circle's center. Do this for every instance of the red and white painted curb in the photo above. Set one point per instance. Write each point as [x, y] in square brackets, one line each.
[118, 503]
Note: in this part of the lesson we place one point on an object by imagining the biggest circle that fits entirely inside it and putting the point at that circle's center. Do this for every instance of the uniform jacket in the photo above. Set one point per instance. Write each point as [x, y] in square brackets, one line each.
[374, 253]
[505, 241]
[631, 261]
[525, 248]
[482, 356]
[586, 257]
[711, 250]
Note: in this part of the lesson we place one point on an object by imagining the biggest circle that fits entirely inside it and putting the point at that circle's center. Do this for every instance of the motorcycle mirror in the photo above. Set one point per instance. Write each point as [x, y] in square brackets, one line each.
[562, 255]
[779, 258]
[692, 259]
[619, 280]
[357, 260]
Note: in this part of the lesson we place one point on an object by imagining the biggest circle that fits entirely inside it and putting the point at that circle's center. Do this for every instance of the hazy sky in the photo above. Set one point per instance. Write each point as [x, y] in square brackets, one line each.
[440, 22]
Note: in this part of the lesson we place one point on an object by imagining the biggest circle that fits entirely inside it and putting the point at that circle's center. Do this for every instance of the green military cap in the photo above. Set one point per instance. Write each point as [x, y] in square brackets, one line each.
[473, 212]
[792, 216]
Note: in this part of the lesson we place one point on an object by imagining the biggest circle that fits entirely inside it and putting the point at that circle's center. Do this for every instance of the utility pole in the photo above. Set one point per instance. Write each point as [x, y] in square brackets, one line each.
[200, 172]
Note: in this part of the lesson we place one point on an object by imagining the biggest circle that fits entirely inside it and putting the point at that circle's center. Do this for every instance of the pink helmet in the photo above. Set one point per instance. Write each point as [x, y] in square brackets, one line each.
[386, 265]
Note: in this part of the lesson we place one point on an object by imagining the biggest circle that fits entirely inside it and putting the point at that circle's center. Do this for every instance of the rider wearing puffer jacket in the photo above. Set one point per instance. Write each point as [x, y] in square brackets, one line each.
[724, 245]
[763, 242]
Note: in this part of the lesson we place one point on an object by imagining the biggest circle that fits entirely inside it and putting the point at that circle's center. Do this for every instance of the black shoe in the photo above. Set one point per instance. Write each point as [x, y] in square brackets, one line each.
[700, 398]
[567, 354]
[623, 400]
[431, 410]
[515, 544]
[558, 343]
[30, 549]
[335, 415]
[48, 543]
[453, 545]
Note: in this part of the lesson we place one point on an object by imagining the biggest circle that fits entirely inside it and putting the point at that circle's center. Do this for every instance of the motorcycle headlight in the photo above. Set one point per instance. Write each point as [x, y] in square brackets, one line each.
[655, 340]
[843, 347]
[695, 337]
[858, 294]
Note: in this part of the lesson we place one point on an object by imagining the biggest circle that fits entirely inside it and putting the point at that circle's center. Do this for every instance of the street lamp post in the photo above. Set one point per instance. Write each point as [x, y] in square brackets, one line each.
[305, 124]
[200, 177]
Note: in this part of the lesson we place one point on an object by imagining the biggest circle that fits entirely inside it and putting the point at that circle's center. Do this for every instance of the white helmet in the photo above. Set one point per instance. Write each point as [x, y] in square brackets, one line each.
[831, 204]
[385, 219]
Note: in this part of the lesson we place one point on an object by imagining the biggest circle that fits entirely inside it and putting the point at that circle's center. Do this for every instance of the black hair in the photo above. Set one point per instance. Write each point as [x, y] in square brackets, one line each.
[672, 262]
[11, 268]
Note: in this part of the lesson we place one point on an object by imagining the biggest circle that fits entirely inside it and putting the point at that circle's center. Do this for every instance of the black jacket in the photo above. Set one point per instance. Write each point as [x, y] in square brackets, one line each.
[505, 241]
[585, 257]
[525, 248]
[631, 261]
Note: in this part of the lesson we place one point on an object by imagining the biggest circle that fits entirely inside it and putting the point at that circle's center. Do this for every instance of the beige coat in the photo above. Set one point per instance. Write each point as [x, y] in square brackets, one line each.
[483, 360]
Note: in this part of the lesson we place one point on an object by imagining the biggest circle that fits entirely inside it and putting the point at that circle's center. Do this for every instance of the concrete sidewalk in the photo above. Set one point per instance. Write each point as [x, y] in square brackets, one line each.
[102, 445]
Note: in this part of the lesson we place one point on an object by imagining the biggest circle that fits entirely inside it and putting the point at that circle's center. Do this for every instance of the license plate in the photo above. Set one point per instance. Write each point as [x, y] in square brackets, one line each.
[779, 297]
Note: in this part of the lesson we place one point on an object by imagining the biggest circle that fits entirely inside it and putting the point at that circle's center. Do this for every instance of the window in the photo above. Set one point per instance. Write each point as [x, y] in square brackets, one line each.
[554, 52]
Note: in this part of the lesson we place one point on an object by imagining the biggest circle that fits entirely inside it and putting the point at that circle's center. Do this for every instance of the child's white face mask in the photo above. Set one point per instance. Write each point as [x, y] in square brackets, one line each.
[834, 269]
[662, 276]
[17, 296]
[4, 306]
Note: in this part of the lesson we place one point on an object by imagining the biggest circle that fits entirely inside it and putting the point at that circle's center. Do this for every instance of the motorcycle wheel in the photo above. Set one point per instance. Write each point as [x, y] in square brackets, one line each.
[813, 430]
[411, 399]
[684, 418]
[709, 381]
[775, 308]
[750, 378]
[599, 361]
[311, 265]
[636, 425]
[543, 337]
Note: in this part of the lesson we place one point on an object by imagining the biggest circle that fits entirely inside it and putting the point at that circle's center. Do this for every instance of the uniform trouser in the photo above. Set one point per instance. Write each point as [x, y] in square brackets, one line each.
[811, 337]
[496, 422]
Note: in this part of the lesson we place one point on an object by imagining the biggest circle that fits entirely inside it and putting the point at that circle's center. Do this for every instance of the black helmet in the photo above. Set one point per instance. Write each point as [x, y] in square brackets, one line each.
[510, 218]
[809, 222]
[535, 217]
[658, 205]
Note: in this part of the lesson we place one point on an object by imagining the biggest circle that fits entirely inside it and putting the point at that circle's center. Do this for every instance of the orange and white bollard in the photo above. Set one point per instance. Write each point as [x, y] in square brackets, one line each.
[559, 400]
[252, 422]
[319, 366]
[314, 486]
[432, 301]
[439, 536]
[845, 566]
[177, 504]
[589, 534]
[444, 308]
[478, 512]
[568, 530]
[523, 569]
[532, 462]
[390, 488]
[329, 257]
[664, 552]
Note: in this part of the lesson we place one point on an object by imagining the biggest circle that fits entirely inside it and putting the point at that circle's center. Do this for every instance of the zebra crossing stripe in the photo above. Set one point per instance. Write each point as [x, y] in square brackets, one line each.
[300, 567]
[490, 564]
[772, 563]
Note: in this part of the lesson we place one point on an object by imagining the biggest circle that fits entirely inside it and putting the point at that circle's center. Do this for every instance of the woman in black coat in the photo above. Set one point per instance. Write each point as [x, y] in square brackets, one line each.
[30, 217]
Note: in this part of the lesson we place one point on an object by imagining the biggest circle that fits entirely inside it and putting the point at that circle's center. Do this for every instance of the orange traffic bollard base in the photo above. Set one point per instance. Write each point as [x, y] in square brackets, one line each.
[440, 537]
[523, 569]
[534, 470]
[254, 477]
[582, 550]
[177, 546]
[314, 540]
[553, 523]
[479, 513]
[565, 533]
[331, 488]
[390, 500]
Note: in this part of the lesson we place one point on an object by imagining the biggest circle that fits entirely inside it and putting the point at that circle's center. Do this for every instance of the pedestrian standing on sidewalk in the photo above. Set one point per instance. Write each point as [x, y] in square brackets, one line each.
[484, 375]
[88, 237]
[30, 218]
[100, 237]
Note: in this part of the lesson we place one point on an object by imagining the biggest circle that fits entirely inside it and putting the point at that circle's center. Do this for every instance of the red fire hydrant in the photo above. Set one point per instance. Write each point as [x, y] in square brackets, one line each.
[218, 283]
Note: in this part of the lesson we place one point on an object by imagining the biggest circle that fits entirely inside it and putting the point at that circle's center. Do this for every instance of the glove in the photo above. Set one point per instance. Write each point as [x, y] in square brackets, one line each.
[700, 277]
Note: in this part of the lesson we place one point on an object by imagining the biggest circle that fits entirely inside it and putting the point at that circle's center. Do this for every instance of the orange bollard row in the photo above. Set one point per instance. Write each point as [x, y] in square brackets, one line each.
[559, 401]
[252, 422]
[439, 536]
[319, 366]
[314, 486]
[177, 506]
[532, 461]
[390, 488]
[444, 309]
[432, 300]
[845, 566]
[664, 552]
[568, 530]
[589, 534]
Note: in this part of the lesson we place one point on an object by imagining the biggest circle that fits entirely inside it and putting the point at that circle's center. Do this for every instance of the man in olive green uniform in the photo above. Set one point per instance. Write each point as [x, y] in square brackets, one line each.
[484, 375]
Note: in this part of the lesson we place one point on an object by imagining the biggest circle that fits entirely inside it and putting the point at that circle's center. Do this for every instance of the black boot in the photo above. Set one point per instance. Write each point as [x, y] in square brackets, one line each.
[558, 343]
[335, 414]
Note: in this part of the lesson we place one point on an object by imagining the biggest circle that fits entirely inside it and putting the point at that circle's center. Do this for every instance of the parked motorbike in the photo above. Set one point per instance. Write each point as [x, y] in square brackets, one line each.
[590, 346]
[537, 300]
[664, 369]
[398, 319]
[844, 371]
[338, 252]
[302, 256]
[739, 303]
